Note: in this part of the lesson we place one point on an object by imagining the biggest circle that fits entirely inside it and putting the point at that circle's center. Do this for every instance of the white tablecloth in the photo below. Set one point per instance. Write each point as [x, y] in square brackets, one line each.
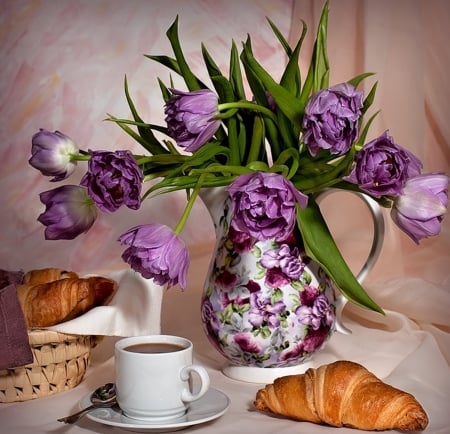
[406, 353]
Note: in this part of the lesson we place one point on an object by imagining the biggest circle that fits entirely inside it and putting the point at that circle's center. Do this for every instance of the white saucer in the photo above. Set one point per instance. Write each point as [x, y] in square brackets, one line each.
[209, 407]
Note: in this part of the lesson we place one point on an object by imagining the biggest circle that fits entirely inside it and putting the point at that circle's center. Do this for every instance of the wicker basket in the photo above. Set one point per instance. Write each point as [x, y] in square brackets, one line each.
[60, 362]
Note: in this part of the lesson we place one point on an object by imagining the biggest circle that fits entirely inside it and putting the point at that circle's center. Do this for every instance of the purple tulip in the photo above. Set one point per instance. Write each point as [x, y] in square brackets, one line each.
[157, 253]
[113, 179]
[420, 210]
[190, 117]
[382, 167]
[331, 119]
[51, 154]
[69, 211]
[264, 205]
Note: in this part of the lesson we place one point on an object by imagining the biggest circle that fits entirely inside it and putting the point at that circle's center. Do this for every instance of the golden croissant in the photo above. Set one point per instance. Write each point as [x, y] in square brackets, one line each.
[46, 275]
[340, 394]
[46, 302]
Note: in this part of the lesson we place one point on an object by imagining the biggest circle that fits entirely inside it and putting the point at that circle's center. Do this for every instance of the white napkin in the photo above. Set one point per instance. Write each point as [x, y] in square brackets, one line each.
[135, 310]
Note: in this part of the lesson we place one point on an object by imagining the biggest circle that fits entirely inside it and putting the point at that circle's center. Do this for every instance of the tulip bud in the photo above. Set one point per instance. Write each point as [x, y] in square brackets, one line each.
[190, 117]
[157, 253]
[419, 211]
[51, 154]
[69, 211]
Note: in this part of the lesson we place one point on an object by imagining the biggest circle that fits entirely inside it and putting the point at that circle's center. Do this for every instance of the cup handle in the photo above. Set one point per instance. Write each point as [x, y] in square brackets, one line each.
[186, 394]
[377, 244]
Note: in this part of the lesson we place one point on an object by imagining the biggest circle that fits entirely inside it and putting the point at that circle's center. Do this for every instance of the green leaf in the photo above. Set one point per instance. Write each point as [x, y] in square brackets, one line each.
[223, 88]
[363, 133]
[256, 86]
[320, 56]
[370, 97]
[289, 131]
[236, 74]
[356, 80]
[190, 79]
[318, 72]
[210, 64]
[285, 101]
[184, 182]
[133, 134]
[147, 139]
[154, 127]
[327, 176]
[225, 91]
[320, 246]
[289, 154]
[256, 140]
[205, 156]
[291, 79]
[165, 92]
[280, 38]
[168, 62]
[307, 89]
[273, 137]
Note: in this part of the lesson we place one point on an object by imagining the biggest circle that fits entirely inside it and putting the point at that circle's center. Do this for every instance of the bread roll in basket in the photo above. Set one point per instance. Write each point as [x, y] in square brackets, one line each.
[48, 297]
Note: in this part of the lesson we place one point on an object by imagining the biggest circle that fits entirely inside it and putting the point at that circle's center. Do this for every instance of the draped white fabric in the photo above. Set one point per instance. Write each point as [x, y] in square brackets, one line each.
[63, 65]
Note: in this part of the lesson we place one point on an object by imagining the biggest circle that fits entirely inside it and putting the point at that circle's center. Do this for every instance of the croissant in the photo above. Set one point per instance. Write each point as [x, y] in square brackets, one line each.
[50, 303]
[340, 394]
[45, 275]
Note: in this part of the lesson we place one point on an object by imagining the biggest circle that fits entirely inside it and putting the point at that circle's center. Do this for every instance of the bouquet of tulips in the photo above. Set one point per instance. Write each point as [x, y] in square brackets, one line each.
[274, 151]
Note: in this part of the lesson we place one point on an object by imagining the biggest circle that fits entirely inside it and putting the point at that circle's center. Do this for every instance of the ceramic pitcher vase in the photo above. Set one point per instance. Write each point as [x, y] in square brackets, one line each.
[265, 304]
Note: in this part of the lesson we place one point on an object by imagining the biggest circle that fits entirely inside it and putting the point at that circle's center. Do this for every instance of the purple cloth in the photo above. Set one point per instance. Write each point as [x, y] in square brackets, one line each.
[14, 345]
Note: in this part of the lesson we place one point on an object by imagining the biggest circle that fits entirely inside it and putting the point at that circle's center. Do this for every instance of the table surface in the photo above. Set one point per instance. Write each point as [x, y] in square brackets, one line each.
[400, 351]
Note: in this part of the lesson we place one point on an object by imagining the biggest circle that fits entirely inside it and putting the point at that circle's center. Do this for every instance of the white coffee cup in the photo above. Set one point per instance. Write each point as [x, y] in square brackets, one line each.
[154, 377]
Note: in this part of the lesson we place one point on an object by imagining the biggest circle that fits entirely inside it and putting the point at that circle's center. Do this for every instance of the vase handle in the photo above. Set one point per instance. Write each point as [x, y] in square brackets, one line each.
[377, 243]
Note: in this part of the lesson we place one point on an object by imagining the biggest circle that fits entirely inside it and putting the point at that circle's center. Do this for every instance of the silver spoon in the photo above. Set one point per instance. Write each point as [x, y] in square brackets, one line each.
[104, 396]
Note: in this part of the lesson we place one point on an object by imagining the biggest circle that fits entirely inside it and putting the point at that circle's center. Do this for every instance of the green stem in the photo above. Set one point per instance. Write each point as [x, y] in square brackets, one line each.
[80, 157]
[227, 114]
[248, 105]
[256, 140]
[189, 205]
[218, 168]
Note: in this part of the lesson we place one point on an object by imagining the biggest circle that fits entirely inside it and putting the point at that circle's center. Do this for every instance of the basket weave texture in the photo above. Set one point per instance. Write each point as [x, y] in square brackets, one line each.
[59, 363]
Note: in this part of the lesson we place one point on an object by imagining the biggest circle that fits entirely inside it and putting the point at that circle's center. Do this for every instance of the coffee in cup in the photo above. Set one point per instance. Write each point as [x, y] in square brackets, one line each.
[154, 375]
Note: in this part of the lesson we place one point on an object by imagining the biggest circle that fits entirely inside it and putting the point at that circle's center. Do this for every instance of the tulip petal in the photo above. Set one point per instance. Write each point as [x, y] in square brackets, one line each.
[420, 209]
[69, 212]
[157, 253]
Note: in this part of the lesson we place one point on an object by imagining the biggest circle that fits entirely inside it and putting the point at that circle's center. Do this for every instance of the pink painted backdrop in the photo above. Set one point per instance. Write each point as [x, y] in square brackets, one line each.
[63, 67]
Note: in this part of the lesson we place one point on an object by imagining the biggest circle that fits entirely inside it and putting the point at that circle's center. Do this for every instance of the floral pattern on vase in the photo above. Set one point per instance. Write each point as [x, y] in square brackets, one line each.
[265, 303]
